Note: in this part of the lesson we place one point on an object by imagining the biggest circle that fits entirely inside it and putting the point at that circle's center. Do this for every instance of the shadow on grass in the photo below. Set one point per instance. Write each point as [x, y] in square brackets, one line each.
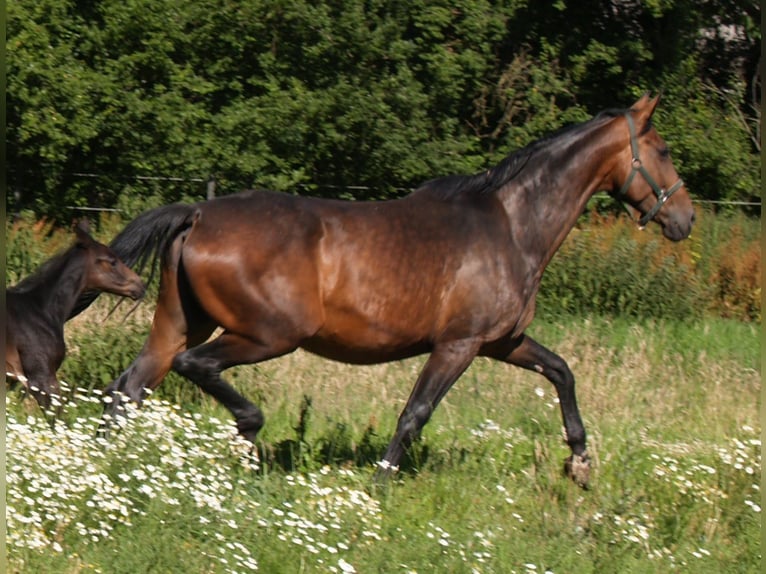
[338, 448]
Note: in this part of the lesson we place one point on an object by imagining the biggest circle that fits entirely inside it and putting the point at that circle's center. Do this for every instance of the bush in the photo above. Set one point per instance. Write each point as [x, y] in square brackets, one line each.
[97, 356]
[607, 266]
[27, 246]
[735, 279]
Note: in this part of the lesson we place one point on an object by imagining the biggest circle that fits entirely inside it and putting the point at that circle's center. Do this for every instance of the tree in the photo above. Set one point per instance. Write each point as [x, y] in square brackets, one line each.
[355, 98]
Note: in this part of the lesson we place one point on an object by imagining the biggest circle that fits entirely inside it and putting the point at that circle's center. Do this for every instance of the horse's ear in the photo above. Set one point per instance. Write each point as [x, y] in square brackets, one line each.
[653, 104]
[82, 232]
[644, 108]
[641, 103]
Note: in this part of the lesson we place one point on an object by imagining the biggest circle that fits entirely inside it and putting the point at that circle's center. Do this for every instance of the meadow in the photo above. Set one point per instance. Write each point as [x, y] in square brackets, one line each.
[666, 353]
[671, 407]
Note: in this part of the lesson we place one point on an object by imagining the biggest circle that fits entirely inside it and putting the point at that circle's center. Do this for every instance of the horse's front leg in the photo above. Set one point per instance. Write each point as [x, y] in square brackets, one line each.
[527, 353]
[447, 362]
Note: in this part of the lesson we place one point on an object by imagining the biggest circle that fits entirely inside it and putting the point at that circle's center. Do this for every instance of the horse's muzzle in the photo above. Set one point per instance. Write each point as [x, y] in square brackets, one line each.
[136, 291]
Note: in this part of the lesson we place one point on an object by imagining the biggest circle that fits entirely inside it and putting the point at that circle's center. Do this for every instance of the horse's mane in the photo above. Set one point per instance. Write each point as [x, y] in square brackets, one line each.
[453, 186]
[47, 273]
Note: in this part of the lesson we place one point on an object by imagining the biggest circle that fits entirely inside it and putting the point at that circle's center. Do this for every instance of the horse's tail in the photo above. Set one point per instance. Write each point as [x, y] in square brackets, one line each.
[144, 240]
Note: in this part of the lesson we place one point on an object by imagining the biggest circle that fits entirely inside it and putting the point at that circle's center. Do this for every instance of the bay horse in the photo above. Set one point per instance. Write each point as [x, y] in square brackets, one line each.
[452, 270]
[38, 306]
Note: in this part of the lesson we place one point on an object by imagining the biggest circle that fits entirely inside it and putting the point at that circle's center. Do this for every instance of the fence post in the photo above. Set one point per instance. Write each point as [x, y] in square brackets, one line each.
[211, 187]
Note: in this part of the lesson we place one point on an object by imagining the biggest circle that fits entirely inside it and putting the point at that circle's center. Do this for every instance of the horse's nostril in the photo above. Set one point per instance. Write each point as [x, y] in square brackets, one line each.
[694, 217]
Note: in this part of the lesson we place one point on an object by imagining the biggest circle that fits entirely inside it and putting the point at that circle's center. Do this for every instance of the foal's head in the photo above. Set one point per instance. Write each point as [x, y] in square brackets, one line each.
[644, 176]
[104, 271]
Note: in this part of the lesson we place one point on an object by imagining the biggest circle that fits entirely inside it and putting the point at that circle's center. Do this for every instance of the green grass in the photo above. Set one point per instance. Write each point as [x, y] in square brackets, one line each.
[672, 411]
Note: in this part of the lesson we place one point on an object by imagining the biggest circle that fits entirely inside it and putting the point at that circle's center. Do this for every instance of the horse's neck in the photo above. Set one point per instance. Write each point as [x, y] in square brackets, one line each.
[544, 202]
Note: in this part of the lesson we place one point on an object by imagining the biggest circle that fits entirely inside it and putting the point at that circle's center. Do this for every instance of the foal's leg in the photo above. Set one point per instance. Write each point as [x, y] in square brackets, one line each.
[44, 387]
[203, 366]
[36, 357]
[527, 353]
[446, 363]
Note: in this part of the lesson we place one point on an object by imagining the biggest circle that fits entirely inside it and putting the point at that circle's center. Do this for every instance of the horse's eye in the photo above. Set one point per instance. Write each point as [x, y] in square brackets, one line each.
[664, 152]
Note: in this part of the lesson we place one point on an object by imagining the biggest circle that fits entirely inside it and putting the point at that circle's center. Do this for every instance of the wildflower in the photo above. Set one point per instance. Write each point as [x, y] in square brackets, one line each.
[753, 505]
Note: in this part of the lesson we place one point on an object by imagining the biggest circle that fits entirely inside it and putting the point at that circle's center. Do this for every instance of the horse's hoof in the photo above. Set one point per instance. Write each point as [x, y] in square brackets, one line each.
[577, 467]
[248, 427]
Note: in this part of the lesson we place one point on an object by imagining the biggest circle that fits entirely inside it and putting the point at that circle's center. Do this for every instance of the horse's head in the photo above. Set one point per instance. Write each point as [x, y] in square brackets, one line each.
[645, 178]
[105, 271]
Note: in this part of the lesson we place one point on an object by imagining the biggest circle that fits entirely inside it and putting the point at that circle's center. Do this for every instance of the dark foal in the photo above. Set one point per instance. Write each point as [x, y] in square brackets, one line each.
[38, 306]
[451, 270]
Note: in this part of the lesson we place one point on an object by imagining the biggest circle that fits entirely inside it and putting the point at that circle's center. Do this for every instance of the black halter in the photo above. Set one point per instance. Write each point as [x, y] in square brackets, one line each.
[638, 167]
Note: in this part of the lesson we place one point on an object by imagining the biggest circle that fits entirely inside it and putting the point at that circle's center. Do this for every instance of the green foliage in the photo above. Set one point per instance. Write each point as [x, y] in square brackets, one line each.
[23, 254]
[354, 99]
[620, 275]
[28, 245]
[609, 267]
[96, 359]
[711, 145]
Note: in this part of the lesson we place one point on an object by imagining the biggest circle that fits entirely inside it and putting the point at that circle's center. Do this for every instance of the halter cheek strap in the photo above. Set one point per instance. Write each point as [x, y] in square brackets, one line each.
[637, 166]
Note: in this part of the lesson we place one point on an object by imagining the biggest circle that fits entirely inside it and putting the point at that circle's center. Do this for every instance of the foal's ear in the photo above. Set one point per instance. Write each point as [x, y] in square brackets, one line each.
[82, 232]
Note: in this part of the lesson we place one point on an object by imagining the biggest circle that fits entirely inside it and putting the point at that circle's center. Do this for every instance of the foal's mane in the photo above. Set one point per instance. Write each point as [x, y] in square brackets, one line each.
[48, 273]
[485, 182]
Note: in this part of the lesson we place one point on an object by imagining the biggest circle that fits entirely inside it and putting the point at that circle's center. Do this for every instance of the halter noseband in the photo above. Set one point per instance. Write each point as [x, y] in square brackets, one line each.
[637, 166]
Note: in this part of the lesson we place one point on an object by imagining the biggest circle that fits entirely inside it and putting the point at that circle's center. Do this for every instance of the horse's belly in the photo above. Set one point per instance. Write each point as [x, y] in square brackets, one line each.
[356, 336]
[363, 351]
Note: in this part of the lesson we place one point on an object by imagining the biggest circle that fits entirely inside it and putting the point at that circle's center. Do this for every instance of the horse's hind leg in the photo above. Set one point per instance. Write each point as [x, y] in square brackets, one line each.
[170, 335]
[527, 353]
[203, 366]
[178, 323]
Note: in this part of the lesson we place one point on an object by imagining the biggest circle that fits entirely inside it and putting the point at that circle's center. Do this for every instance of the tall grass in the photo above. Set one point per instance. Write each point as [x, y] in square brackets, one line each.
[672, 411]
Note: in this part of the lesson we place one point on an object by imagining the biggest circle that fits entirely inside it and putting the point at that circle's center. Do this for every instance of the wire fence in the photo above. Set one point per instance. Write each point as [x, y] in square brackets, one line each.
[211, 189]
